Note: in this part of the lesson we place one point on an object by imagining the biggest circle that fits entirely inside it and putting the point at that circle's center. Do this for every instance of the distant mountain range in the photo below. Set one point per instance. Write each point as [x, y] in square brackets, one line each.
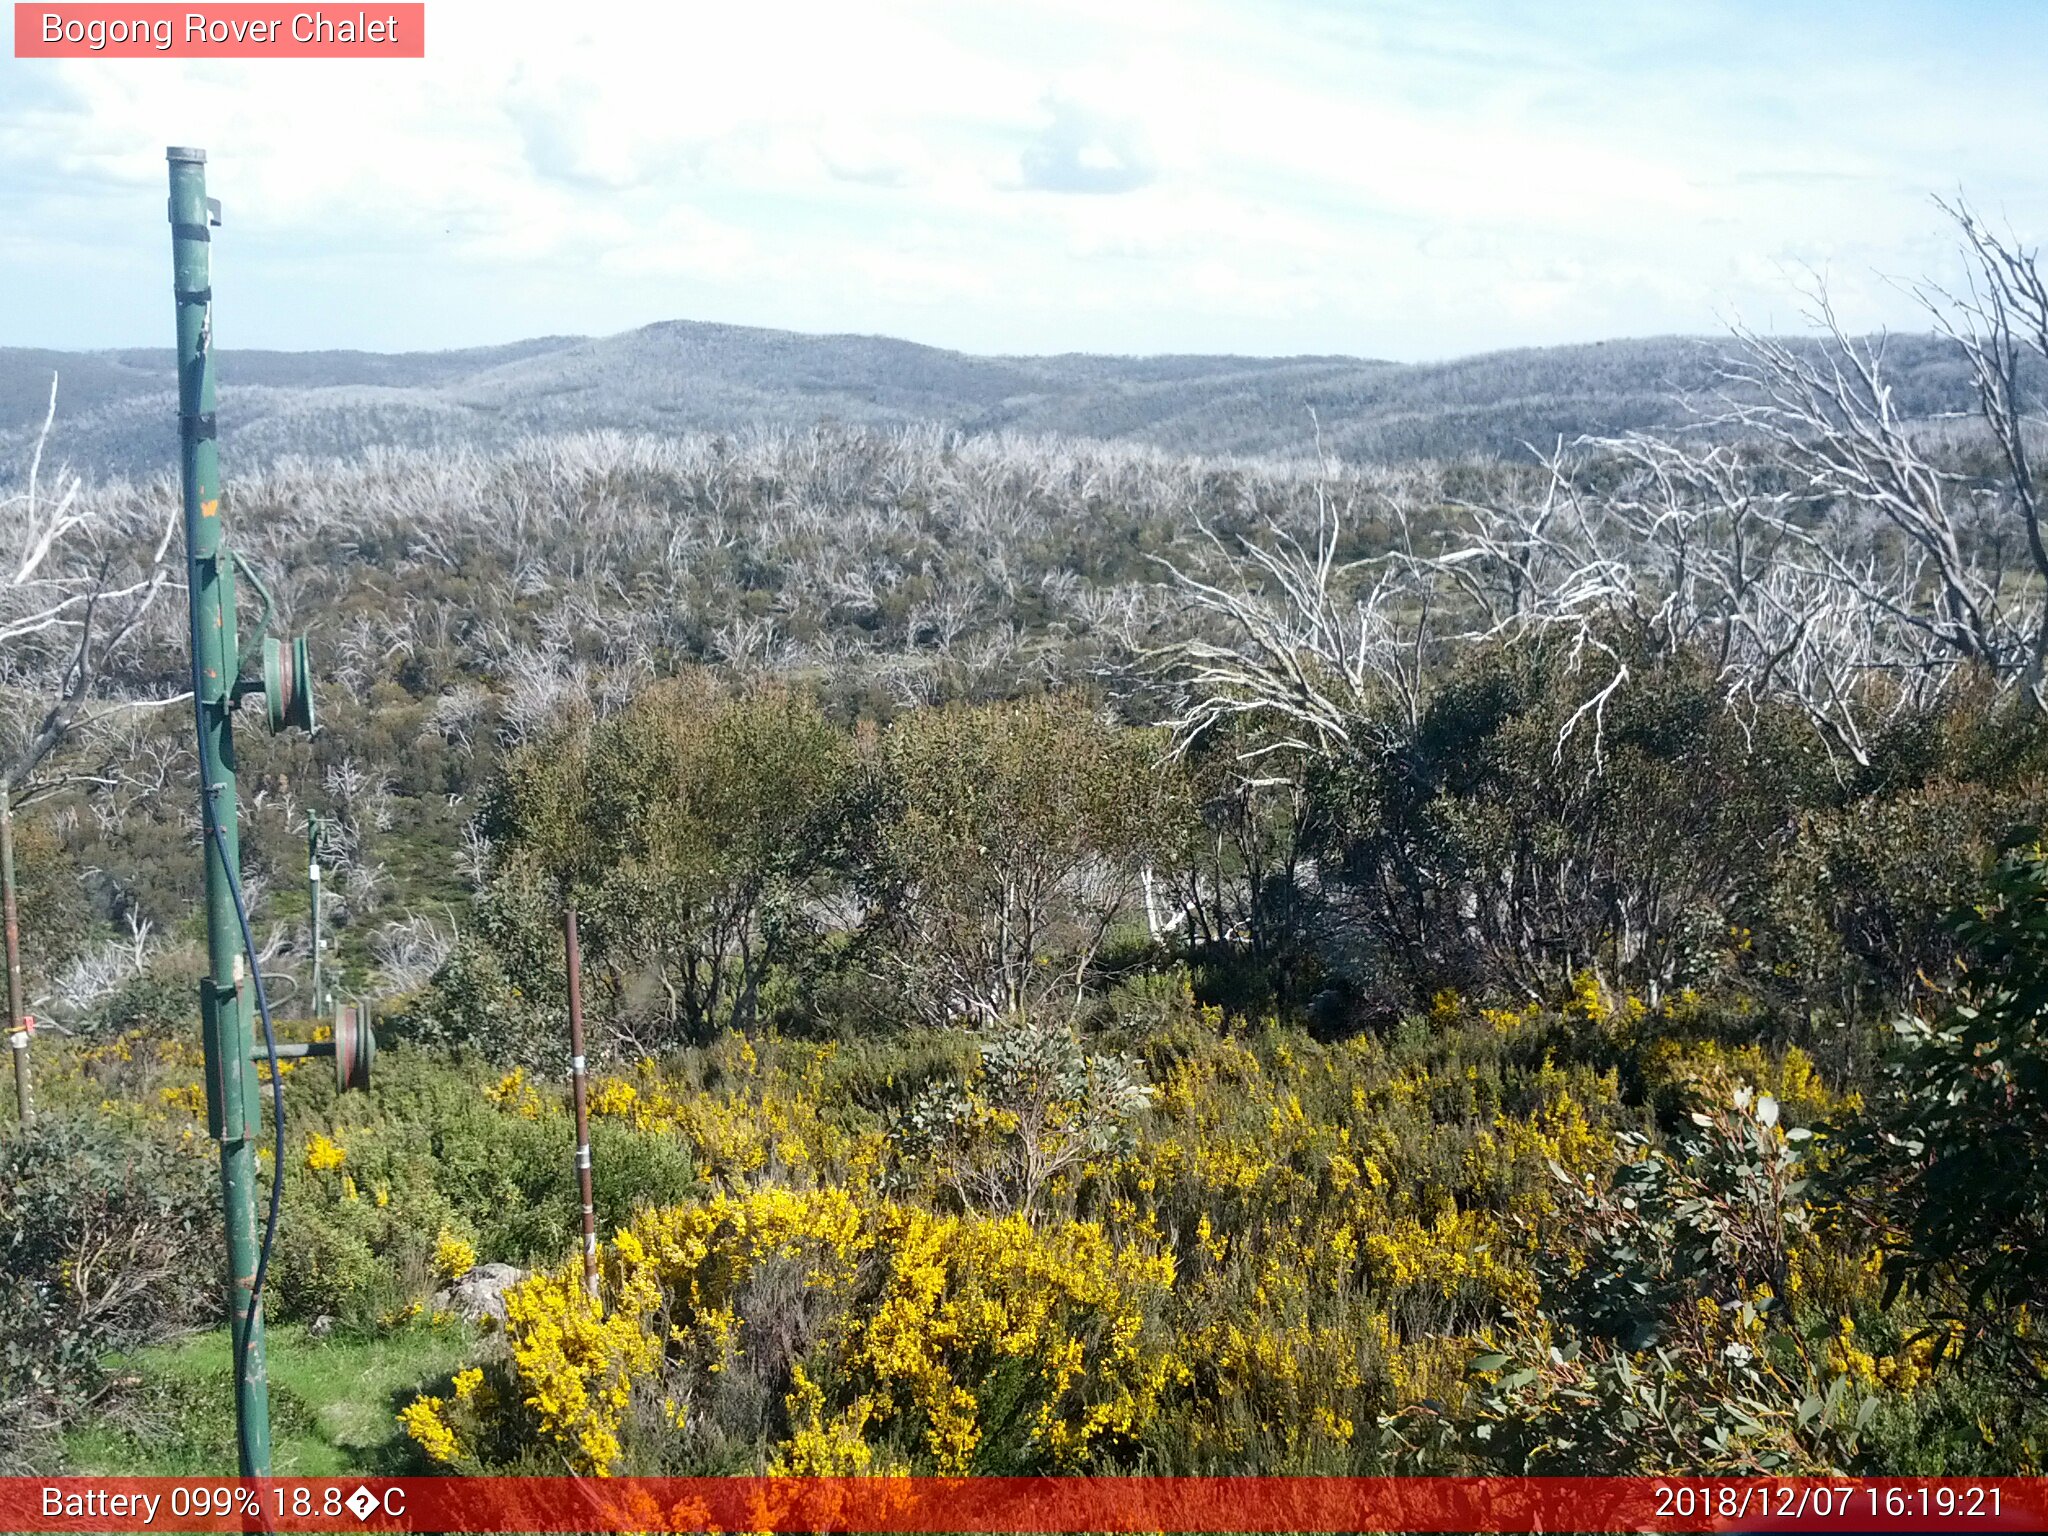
[116, 409]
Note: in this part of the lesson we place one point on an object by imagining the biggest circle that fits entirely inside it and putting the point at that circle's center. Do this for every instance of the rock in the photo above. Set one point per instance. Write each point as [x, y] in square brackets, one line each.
[479, 1294]
[322, 1326]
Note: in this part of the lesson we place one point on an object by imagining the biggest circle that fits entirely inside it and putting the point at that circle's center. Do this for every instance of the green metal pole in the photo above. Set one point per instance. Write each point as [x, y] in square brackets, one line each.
[17, 1026]
[233, 1104]
[313, 885]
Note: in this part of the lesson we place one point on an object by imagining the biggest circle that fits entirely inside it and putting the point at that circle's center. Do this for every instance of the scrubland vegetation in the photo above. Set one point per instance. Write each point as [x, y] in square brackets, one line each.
[1100, 961]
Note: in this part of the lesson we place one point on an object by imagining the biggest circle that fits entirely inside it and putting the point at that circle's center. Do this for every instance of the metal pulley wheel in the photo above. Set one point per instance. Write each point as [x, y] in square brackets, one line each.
[355, 1046]
[287, 684]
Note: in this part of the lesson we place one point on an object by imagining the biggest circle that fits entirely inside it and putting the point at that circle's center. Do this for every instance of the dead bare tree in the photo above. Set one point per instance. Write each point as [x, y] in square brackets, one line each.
[78, 593]
[1806, 534]
[1999, 320]
[1833, 424]
[1687, 544]
[1286, 632]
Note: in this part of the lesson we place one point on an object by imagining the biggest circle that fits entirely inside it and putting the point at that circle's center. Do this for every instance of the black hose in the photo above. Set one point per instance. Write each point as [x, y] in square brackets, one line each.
[276, 1084]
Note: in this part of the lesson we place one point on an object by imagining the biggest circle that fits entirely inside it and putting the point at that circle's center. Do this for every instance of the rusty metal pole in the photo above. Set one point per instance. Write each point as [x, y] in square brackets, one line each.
[17, 1026]
[579, 1083]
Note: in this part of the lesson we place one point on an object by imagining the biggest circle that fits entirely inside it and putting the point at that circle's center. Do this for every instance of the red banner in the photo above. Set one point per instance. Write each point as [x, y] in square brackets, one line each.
[236, 31]
[1162, 1504]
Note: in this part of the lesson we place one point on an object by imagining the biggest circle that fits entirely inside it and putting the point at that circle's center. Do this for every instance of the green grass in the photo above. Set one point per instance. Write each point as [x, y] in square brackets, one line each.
[332, 1405]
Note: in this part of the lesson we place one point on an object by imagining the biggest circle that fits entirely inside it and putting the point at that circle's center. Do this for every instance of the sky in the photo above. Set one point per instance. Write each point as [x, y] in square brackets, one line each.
[1407, 179]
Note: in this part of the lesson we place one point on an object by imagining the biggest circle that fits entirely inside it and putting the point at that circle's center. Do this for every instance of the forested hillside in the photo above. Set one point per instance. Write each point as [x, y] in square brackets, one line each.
[713, 378]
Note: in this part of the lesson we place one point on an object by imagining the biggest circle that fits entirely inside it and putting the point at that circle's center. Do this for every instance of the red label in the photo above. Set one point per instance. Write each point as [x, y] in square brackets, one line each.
[240, 31]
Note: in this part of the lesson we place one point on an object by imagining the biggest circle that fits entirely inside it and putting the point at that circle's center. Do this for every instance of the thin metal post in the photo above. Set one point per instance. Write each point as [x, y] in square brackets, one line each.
[233, 1105]
[17, 1026]
[579, 1083]
[313, 885]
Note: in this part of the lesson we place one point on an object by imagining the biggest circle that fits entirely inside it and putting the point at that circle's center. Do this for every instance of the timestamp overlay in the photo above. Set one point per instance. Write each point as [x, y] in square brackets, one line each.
[1161, 1504]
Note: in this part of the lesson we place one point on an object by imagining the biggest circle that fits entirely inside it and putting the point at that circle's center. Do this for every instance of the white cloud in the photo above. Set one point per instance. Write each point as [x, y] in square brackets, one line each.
[1407, 179]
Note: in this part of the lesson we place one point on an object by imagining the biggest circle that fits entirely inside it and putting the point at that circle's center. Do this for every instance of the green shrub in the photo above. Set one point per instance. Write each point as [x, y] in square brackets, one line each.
[324, 1264]
[1945, 1167]
[430, 1149]
[1663, 1340]
[103, 1246]
[1036, 1104]
[1510, 843]
[156, 1001]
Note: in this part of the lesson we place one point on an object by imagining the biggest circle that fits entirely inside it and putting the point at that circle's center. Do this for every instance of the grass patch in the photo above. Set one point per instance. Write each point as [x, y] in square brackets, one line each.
[332, 1404]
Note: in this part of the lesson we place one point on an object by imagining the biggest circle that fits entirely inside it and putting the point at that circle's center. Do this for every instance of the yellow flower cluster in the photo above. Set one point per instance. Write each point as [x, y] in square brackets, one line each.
[140, 1082]
[323, 1155]
[189, 1097]
[1904, 1371]
[140, 1046]
[765, 1123]
[454, 1256]
[423, 1420]
[824, 1443]
[514, 1093]
[578, 1363]
[1790, 1078]
[431, 1420]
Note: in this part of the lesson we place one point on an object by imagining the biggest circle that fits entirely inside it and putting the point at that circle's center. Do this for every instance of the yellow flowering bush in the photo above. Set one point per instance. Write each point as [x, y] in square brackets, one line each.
[822, 1443]
[1299, 1239]
[515, 1093]
[189, 1097]
[577, 1361]
[1677, 1068]
[927, 1309]
[768, 1119]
